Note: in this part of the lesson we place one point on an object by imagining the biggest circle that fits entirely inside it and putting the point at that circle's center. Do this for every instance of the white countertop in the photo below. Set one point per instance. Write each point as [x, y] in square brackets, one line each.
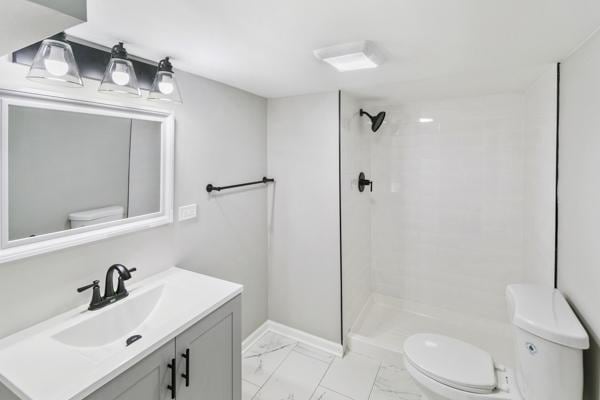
[37, 364]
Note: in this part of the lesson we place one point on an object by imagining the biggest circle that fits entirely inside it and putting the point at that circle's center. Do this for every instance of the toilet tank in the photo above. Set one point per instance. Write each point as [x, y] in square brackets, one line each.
[95, 216]
[549, 343]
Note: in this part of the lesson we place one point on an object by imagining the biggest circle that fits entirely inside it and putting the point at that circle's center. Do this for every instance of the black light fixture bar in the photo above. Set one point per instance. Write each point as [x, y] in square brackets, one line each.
[210, 187]
[92, 62]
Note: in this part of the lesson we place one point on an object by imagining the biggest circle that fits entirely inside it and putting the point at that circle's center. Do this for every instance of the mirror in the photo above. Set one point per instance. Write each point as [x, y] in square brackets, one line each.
[73, 168]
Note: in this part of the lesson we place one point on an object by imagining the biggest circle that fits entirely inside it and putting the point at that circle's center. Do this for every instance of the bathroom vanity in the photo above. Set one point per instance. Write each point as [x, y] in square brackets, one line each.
[176, 336]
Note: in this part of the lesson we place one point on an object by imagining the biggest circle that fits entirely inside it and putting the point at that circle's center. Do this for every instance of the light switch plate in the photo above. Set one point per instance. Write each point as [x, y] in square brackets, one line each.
[187, 212]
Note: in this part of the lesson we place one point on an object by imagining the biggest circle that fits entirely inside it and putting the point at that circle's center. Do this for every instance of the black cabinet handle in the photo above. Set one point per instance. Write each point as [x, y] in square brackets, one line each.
[186, 357]
[173, 386]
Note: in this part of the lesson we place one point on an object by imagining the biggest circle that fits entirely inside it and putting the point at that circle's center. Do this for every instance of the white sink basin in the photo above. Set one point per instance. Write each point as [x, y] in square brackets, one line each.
[110, 326]
[89, 348]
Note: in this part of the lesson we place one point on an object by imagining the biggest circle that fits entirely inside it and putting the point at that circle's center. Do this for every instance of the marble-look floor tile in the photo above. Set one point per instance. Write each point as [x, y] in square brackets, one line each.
[296, 379]
[248, 390]
[325, 394]
[394, 383]
[314, 352]
[353, 376]
[262, 359]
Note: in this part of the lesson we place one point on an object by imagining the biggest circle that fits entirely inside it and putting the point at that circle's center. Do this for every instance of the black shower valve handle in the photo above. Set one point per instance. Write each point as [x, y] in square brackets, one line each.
[362, 182]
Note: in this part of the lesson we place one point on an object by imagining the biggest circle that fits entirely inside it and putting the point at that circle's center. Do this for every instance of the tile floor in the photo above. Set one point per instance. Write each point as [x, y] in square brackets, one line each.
[279, 368]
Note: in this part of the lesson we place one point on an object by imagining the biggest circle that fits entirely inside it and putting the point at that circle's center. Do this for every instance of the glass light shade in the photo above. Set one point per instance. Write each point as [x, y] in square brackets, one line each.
[165, 88]
[120, 77]
[54, 63]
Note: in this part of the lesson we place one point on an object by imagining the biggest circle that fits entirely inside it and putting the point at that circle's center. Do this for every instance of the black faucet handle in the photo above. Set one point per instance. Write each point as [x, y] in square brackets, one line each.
[96, 296]
[91, 285]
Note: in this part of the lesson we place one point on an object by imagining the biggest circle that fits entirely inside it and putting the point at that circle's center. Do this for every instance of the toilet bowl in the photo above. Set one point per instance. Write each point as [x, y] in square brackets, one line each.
[445, 368]
[549, 343]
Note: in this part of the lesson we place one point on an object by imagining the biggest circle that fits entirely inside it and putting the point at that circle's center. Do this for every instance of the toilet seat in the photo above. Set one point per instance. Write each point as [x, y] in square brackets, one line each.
[451, 362]
[435, 390]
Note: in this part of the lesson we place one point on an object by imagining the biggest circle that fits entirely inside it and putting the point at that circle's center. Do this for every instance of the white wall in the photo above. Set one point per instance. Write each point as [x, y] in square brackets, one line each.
[220, 138]
[579, 196]
[304, 244]
[448, 202]
[51, 16]
[75, 8]
[356, 211]
[540, 178]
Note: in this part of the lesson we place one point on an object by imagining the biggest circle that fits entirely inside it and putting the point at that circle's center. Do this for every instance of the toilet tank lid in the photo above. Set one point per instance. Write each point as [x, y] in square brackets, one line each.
[544, 312]
[96, 213]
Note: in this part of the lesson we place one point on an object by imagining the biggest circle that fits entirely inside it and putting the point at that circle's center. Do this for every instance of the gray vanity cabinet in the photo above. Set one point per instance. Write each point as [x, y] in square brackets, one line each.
[213, 365]
[213, 351]
[146, 380]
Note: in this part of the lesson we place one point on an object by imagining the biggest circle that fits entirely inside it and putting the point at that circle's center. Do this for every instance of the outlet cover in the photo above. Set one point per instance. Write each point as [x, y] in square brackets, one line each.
[187, 212]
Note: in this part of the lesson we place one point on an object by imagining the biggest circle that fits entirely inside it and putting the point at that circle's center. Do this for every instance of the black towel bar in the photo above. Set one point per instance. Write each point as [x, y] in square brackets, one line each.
[210, 187]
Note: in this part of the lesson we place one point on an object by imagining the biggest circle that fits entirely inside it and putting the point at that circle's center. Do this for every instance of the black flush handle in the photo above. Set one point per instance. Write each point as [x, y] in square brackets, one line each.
[362, 182]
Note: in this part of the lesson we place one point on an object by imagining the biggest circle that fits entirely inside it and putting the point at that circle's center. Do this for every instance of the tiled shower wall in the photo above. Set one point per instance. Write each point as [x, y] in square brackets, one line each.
[448, 210]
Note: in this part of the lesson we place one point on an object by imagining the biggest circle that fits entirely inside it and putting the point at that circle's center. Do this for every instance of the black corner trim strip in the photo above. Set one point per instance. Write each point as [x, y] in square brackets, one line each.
[340, 211]
[557, 169]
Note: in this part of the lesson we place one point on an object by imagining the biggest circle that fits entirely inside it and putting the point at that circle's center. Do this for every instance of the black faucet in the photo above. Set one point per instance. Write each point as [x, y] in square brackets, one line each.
[110, 296]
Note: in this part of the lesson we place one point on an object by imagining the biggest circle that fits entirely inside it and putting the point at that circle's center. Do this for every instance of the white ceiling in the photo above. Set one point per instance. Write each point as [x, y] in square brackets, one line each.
[431, 46]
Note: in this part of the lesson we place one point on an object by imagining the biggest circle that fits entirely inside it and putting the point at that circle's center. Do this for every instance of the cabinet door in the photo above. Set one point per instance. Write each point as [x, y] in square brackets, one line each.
[214, 361]
[146, 380]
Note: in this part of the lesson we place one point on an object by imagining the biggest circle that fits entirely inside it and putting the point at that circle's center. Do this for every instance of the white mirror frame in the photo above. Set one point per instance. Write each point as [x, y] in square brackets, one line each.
[27, 247]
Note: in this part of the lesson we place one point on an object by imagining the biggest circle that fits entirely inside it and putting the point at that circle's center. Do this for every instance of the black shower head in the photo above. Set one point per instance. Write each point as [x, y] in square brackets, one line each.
[376, 120]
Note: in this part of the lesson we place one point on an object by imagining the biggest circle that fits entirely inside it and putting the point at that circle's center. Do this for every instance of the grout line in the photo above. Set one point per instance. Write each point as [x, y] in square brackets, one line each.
[312, 356]
[253, 384]
[278, 365]
[276, 368]
[375, 380]
[336, 392]
[321, 380]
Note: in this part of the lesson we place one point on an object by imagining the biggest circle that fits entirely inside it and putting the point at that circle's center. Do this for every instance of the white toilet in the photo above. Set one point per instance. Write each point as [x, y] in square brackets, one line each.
[549, 341]
[95, 216]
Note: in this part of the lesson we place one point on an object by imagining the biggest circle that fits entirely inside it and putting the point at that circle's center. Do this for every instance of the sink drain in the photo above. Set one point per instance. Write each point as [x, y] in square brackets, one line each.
[133, 339]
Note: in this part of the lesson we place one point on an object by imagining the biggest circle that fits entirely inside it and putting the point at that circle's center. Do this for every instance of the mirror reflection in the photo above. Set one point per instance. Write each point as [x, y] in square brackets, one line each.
[69, 170]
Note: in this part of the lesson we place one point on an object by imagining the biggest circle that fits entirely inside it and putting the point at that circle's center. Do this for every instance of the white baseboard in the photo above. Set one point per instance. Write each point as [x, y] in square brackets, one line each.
[325, 345]
[254, 336]
[362, 345]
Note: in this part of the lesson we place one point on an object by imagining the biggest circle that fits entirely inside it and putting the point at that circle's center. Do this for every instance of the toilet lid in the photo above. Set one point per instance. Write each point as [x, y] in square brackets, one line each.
[452, 362]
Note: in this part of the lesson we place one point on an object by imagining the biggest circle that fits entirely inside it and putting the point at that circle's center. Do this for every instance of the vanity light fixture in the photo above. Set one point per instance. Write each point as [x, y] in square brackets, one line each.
[119, 76]
[165, 86]
[55, 63]
[425, 120]
[351, 56]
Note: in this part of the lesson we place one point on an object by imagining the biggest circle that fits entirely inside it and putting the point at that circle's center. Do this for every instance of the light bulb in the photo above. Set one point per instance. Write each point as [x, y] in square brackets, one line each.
[55, 62]
[166, 85]
[120, 75]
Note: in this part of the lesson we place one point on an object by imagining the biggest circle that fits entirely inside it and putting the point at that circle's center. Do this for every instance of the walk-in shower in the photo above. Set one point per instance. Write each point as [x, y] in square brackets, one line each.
[455, 217]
